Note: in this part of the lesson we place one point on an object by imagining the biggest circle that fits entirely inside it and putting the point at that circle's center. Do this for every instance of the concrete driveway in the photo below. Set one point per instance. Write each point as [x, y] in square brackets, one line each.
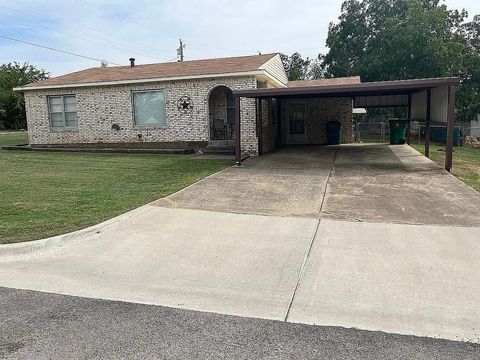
[328, 252]
[360, 182]
[290, 182]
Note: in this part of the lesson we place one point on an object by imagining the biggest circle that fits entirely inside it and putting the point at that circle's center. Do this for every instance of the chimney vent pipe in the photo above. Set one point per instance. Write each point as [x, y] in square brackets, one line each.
[132, 62]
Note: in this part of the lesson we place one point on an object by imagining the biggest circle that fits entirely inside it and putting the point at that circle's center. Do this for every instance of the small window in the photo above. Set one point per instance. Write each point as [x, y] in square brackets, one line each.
[63, 111]
[149, 107]
[230, 107]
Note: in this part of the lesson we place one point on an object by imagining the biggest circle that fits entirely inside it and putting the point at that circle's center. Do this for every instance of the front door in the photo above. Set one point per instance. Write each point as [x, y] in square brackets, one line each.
[296, 114]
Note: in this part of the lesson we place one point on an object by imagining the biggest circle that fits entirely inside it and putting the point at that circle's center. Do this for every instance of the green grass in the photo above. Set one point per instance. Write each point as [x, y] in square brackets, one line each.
[45, 194]
[466, 162]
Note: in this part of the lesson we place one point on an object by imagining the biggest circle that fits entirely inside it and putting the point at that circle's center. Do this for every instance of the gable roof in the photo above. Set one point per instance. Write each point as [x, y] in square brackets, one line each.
[160, 71]
[323, 82]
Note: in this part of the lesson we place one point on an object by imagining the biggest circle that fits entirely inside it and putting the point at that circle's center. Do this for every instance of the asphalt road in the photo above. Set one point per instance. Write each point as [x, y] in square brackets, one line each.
[40, 325]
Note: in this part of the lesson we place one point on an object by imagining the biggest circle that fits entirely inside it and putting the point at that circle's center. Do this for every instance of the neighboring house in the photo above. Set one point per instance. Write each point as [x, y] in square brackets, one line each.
[183, 104]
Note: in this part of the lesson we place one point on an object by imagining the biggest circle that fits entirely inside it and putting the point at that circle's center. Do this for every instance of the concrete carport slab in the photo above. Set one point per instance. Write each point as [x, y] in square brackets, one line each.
[366, 182]
[395, 183]
[407, 279]
[234, 264]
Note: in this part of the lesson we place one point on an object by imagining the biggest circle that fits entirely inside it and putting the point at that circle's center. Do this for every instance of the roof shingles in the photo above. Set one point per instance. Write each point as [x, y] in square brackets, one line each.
[160, 71]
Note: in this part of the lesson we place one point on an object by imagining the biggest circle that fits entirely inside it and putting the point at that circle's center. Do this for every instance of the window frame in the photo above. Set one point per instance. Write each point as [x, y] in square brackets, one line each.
[133, 92]
[64, 111]
[229, 107]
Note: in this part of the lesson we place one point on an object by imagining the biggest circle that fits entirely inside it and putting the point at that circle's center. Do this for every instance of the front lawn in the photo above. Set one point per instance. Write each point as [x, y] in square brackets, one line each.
[45, 194]
[466, 162]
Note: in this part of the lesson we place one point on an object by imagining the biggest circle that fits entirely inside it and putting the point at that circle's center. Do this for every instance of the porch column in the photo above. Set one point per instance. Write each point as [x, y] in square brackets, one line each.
[427, 125]
[238, 147]
[409, 116]
[450, 122]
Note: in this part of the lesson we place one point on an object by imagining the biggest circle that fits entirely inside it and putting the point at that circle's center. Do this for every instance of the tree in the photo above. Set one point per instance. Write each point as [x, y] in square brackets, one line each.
[406, 39]
[12, 104]
[316, 69]
[468, 99]
[295, 66]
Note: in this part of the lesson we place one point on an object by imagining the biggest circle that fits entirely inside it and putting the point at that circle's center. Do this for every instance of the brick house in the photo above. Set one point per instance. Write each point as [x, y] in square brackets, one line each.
[180, 105]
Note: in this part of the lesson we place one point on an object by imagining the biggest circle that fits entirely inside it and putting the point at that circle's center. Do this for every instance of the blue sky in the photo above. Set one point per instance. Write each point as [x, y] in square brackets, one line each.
[149, 30]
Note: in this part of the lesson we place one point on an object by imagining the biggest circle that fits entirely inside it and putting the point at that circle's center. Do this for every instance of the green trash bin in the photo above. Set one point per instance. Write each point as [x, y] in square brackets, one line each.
[397, 131]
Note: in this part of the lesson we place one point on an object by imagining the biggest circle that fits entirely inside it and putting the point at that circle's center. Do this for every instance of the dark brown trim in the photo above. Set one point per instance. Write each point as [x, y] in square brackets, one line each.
[368, 88]
[260, 126]
[238, 147]
[427, 123]
[279, 121]
[450, 123]
[409, 117]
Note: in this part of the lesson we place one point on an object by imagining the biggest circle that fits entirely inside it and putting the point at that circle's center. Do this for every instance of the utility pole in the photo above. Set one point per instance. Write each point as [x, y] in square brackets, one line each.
[180, 50]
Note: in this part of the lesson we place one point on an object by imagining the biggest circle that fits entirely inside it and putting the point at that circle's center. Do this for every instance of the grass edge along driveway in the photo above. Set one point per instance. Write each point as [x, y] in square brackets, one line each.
[466, 162]
[45, 194]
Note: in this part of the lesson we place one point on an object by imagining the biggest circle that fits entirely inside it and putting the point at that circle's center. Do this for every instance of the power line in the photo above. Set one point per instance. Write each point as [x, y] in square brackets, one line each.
[53, 49]
[123, 48]
[131, 21]
[70, 35]
[123, 42]
[95, 36]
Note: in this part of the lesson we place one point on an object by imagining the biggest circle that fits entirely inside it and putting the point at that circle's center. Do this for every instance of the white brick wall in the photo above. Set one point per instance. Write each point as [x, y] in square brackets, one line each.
[98, 108]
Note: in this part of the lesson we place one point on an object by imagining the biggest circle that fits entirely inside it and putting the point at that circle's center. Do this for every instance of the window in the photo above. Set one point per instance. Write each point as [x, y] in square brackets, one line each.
[63, 111]
[230, 107]
[149, 107]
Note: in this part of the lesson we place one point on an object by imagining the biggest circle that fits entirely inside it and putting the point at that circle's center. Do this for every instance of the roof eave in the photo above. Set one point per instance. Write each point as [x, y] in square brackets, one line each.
[351, 88]
[142, 81]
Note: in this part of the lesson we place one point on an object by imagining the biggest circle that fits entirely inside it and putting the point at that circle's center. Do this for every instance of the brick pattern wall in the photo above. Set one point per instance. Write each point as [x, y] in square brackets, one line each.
[248, 129]
[98, 108]
[318, 113]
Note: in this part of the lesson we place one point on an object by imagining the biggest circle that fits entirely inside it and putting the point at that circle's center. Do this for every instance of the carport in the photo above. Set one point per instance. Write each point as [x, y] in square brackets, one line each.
[428, 100]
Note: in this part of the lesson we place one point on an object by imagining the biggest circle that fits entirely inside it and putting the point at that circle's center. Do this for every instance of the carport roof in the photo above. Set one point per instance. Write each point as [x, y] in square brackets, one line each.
[355, 89]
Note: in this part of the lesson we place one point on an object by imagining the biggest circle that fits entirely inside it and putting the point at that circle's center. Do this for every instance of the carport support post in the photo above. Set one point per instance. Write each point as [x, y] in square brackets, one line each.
[238, 147]
[427, 125]
[450, 122]
[279, 120]
[409, 135]
[260, 126]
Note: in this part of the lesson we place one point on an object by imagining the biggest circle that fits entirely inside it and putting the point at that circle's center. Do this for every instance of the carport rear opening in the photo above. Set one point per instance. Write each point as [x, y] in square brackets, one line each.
[416, 95]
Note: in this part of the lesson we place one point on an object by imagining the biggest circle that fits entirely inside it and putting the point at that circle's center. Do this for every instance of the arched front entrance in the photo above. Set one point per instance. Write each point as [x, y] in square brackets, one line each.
[221, 109]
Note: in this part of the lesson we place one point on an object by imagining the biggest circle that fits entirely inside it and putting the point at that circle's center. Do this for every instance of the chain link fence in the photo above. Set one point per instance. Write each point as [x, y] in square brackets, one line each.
[379, 132]
[370, 132]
